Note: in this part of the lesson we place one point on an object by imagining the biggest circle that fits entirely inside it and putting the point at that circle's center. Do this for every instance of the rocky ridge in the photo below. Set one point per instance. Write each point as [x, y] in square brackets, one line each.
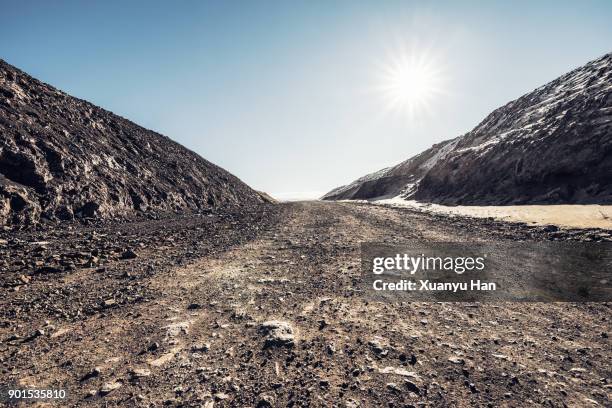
[552, 145]
[63, 158]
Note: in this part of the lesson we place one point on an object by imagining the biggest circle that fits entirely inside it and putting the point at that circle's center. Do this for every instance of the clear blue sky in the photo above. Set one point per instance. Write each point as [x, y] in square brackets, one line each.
[283, 94]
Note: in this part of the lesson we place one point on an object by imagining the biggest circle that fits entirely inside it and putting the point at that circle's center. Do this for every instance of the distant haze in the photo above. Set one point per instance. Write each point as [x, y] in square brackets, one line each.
[285, 95]
[298, 195]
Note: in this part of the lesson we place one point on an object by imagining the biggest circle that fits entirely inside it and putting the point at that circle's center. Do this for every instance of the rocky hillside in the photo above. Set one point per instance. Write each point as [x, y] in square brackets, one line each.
[552, 145]
[392, 181]
[63, 158]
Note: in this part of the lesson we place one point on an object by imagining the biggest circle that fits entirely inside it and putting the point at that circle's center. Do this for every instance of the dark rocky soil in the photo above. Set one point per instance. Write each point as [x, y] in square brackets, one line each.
[261, 308]
[63, 158]
[551, 146]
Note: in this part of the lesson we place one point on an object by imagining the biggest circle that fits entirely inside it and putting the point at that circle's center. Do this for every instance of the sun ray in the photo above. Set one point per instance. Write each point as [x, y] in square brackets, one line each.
[410, 81]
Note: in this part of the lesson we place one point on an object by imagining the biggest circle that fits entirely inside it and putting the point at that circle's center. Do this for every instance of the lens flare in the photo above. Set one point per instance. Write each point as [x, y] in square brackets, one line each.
[410, 82]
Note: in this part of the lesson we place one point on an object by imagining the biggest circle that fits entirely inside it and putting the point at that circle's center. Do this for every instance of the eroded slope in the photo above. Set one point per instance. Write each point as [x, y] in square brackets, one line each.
[62, 157]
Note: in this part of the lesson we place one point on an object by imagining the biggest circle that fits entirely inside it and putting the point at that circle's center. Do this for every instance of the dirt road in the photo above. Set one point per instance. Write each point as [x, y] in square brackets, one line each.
[261, 309]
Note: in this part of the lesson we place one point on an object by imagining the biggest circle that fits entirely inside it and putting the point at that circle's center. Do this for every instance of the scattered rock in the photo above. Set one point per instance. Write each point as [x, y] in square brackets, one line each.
[220, 396]
[109, 387]
[91, 374]
[109, 303]
[266, 400]
[412, 387]
[200, 347]
[153, 346]
[376, 346]
[47, 269]
[456, 360]
[473, 388]
[129, 254]
[277, 333]
[140, 373]
[393, 387]
[176, 329]
[399, 371]
[193, 306]
[351, 403]
[37, 333]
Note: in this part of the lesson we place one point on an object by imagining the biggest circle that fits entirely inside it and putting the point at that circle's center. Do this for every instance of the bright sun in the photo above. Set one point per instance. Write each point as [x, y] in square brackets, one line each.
[410, 82]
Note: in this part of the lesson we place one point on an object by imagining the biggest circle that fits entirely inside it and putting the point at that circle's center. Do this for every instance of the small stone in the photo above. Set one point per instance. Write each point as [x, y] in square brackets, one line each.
[200, 347]
[129, 254]
[220, 396]
[393, 387]
[91, 374]
[351, 403]
[110, 387]
[266, 400]
[376, 346]
[109, 303]
[456, 360]
[399, 371]
[193, 306]
[412, 387]
[550, 228]
[140, 372]
[93, 261]
[472, 388]
[278, 333]
[36, 334]
[48, 269]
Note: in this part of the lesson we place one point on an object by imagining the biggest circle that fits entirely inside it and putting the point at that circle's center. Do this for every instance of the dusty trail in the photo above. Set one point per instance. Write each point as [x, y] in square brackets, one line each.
[196, 340]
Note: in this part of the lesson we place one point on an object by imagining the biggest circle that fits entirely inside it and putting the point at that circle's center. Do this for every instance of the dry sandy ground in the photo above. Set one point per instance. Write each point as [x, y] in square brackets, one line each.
[196, 336]
[567, 216]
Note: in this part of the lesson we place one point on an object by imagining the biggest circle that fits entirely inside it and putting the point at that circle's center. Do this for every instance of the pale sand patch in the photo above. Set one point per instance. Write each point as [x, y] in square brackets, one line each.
[568, 216]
